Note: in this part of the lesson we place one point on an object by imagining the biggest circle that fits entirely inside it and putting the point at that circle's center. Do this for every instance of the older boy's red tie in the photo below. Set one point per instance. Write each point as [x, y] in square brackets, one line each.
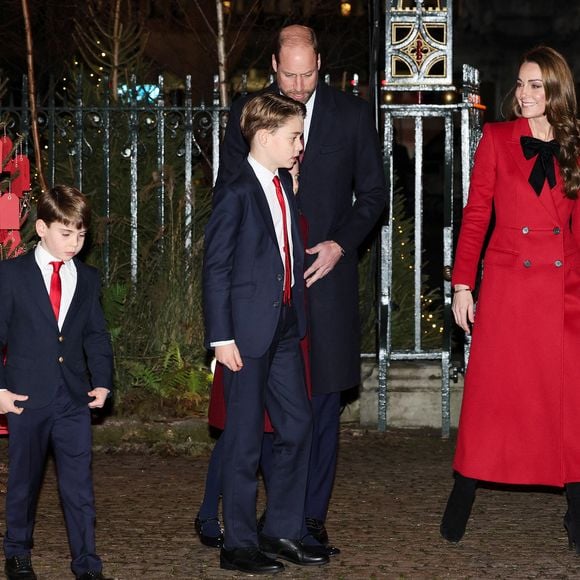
[287, 262]
[55, 288]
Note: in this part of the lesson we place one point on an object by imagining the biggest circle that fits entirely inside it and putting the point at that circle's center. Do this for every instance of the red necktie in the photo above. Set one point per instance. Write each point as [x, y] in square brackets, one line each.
[55, 288]
[287, 262]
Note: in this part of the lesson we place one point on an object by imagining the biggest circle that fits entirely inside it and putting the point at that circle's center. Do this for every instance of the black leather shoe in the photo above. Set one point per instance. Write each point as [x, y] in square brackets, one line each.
[319, 548]
[249, 560]
[292, 550]
[317, 529]
[210, 541]
[92, 575]
[19, 568]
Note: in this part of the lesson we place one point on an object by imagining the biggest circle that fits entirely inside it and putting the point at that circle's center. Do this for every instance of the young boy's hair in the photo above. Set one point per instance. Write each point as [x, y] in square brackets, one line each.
[268, 111]
[64, 204]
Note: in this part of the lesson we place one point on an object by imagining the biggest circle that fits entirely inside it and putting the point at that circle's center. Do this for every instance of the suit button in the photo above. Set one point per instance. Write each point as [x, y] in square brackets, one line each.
[279, 277]
[61, 359]
[527, 263]
[276, 304]
[558, 263]
[61, 338]
[556, 230]
[525, 230]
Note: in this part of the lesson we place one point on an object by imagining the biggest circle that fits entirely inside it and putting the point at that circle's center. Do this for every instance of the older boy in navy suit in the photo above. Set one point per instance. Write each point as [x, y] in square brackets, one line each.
[254, 308]
[58, 366]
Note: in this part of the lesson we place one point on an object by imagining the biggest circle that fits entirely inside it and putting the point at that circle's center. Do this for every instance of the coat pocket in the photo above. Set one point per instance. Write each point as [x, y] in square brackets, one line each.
[500, 257]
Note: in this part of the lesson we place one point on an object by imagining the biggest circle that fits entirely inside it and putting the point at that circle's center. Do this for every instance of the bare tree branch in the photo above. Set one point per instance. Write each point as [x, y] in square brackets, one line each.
[32, 95]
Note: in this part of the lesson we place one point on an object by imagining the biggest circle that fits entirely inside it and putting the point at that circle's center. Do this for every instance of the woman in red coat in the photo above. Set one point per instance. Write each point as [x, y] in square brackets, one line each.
[520, 417]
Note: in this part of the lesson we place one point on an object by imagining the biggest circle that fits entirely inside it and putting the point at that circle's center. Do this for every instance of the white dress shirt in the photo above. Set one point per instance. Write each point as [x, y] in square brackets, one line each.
[266, 179]
[308, 118]
[68, 278]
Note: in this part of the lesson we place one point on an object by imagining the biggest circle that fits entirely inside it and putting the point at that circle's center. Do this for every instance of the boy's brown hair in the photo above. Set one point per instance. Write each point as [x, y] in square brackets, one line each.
[268, 111]
[64, 204]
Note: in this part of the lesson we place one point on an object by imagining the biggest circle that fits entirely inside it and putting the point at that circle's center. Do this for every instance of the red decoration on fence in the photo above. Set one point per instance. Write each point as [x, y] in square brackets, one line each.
[15, 172]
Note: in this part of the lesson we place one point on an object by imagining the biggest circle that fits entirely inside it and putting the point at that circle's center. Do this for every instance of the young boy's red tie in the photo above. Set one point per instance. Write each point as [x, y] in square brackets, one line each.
[55, 287]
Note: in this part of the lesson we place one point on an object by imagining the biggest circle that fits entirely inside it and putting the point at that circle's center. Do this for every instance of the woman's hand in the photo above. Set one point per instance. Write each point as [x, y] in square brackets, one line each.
[462, 307]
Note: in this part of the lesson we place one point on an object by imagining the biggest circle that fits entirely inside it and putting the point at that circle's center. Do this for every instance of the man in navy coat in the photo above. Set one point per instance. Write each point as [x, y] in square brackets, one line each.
[342, 193]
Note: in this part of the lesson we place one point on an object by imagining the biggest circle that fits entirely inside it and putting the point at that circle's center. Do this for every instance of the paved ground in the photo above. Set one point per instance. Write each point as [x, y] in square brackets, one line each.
[390, 492]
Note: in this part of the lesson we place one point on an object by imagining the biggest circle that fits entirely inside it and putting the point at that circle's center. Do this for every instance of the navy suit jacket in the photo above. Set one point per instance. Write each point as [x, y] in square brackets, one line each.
[342, 193]
[39, 357]
[243, 271]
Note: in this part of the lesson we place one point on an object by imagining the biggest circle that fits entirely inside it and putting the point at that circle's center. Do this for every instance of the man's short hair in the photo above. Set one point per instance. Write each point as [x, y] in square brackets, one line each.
[295, 35]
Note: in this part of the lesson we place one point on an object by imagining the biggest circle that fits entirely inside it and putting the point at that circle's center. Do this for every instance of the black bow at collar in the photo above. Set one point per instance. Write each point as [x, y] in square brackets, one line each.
[544, 166]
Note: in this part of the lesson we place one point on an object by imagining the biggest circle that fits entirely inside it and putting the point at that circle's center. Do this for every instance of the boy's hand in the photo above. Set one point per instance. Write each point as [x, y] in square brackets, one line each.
[7, 400]
[100, 394]
[229, 356]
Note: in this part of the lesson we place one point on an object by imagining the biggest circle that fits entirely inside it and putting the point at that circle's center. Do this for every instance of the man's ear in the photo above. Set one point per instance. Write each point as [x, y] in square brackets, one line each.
[275, 64]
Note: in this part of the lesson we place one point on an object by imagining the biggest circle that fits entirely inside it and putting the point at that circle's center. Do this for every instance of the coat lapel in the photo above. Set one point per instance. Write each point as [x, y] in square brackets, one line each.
[260, 198]
[545, 199]
[322, 117]
[79, 294]
[37, 287]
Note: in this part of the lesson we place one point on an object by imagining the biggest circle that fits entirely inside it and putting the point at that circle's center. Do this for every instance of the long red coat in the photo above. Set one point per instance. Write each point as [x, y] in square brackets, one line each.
[520, 418]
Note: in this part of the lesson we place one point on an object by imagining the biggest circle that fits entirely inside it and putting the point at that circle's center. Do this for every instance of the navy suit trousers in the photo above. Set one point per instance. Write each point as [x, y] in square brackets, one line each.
[326, 411]
[274, 381]
[66, 427]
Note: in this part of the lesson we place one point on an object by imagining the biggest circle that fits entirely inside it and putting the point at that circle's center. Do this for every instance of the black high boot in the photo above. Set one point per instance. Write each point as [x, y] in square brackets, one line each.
[572, 516]
[458, 508]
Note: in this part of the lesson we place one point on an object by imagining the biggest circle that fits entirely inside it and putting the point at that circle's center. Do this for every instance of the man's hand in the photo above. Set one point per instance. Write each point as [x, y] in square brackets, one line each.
[7, 400]
[329, 253]
[100, 394]
[229, 356]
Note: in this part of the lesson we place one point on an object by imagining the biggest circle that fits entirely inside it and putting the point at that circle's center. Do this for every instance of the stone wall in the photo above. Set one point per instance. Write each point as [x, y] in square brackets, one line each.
[414, 396]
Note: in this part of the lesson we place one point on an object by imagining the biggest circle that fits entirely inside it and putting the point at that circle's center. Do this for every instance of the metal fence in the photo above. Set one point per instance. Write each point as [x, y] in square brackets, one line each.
[136, 153]
[115, 148]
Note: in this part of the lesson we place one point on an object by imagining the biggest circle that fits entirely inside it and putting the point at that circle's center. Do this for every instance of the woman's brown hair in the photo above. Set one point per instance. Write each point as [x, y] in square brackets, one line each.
[561, 111]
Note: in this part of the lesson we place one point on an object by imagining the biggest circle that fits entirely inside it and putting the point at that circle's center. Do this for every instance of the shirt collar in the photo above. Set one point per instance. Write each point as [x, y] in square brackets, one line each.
[264, 175]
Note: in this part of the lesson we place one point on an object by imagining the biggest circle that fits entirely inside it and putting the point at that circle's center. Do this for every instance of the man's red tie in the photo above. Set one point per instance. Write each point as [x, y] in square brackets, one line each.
[55, 288]
[287, 262]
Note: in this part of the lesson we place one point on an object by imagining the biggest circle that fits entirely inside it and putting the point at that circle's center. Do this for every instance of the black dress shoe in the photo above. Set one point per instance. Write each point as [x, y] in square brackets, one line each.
[19, 568]
[317, 529]
[292, 550]
[249, 560]
[320, 549]
[210, 541]
[92, 575]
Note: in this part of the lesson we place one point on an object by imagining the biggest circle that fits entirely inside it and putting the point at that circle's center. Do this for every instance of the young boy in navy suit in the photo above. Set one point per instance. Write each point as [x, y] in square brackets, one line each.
[254, 310]
[58, 366]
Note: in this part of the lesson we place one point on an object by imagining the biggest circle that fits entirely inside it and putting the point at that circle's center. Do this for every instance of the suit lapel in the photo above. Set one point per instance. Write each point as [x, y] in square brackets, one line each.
[37, 287]
[545, 199]
[322, 118]
[260, 197]
[79, 294]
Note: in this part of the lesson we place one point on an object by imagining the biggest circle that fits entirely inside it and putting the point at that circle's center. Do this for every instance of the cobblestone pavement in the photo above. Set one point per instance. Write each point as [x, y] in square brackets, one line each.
[390, 491]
